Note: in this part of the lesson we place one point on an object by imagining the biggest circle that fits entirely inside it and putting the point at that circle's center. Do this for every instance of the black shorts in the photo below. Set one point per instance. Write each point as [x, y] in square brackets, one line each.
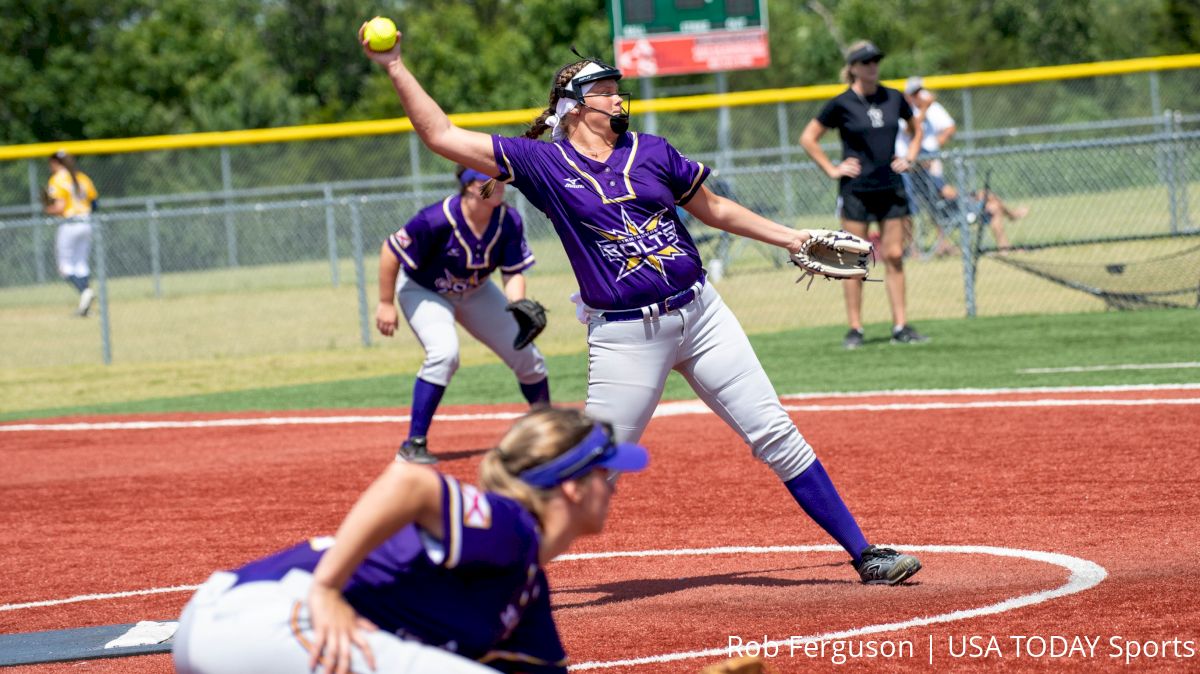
[877, 205]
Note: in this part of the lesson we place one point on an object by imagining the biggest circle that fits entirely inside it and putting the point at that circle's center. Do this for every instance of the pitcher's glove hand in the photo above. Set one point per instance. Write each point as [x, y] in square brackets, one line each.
[742, 665]
[832, 254]
[531, 320]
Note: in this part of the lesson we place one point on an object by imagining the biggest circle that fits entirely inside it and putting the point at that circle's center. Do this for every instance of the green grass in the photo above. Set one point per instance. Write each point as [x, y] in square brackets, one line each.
[980, 352]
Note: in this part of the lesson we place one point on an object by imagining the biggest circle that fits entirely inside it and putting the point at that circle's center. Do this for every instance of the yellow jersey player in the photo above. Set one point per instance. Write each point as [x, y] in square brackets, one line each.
[71, 195]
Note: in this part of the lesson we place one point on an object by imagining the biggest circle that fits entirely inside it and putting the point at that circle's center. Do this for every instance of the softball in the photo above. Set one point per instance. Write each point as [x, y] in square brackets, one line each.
[380, 34]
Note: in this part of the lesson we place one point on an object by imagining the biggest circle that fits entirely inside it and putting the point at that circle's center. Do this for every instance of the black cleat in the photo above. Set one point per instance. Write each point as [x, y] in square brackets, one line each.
[907, 335]
[853, 339]
[885, 566]
[415, 450]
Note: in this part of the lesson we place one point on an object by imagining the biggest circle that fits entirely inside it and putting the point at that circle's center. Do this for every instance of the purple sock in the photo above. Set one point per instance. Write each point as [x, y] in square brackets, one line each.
[815, 493]
[537, 394]
[426, 398]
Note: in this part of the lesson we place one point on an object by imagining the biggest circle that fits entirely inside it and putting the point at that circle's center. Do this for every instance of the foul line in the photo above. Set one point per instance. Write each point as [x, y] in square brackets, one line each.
[668, 409]
[1085, 575]
[1106, 368]
[97, 597]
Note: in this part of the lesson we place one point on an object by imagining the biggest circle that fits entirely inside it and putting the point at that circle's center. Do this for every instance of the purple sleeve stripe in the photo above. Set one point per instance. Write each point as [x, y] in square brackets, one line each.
[520, 266]
[399, 252]
[701, 174]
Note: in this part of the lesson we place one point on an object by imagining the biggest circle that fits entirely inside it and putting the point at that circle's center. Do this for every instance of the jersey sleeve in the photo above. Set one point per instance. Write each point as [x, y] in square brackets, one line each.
[684, 175]
[519, 161]
[480, 531]
[90, 188]
[55, 188]
[411, 243]
[516, 256]
[906, 111]
[938, 117]
[534, 646]
[831, 115]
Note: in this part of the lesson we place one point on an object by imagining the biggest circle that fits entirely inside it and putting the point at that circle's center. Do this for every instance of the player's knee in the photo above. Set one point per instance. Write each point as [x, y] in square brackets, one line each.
[784, 450]
[442, 359]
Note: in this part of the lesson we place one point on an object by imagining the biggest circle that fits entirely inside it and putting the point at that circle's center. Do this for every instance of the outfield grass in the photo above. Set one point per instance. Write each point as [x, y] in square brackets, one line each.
[980, 352]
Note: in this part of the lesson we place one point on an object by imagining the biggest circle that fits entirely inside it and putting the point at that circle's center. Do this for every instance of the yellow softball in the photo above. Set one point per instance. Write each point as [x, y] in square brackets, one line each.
[380, 34]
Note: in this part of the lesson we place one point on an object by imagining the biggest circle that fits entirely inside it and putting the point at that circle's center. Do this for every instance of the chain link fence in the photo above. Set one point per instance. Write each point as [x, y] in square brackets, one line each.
[256, 249]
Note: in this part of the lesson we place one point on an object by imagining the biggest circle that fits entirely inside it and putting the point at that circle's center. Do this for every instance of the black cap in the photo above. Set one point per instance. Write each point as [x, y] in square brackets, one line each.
[864, 53]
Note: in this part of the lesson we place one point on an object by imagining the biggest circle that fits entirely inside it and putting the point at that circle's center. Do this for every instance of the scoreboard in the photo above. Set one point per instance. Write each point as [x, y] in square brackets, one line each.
[676, 37]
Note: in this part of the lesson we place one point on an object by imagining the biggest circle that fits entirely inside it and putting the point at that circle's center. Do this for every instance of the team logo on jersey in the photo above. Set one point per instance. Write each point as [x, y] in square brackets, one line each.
[573, 183]
[403, 239]
[449, 283]
[640, 245]
[477, 511]
[876, 116]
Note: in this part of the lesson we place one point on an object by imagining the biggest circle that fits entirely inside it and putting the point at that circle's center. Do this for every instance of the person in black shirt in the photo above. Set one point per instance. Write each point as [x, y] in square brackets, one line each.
[867, 117]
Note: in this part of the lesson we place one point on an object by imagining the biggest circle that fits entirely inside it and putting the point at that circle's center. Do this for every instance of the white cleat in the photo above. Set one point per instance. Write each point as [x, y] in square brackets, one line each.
[86, 298]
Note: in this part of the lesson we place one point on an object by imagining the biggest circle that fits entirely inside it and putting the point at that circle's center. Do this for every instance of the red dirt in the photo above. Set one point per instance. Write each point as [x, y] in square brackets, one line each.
[117, 510]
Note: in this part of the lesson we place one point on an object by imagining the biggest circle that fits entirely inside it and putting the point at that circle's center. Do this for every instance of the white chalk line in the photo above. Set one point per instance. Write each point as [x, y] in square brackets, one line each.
[668, 409]
[97, 597]
[1109, 368]
[1085, 575]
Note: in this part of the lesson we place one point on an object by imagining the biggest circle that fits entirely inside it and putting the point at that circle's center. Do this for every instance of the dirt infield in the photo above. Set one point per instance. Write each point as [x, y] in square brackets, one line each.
[1011, 496]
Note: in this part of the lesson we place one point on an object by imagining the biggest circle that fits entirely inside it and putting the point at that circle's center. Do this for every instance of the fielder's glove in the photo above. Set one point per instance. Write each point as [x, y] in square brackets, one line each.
[531, 320]
[743, 665]
[834, 255]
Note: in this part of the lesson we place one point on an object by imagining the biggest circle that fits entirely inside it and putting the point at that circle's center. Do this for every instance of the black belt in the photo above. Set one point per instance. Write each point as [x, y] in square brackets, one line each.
[676, 301]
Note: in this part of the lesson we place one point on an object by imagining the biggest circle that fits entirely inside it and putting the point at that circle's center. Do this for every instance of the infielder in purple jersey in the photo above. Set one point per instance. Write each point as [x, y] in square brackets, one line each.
[447, 252]
[427, 574]
[611, 195]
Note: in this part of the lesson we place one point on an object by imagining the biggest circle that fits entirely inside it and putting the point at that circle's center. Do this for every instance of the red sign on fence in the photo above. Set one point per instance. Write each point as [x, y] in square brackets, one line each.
[682, 54]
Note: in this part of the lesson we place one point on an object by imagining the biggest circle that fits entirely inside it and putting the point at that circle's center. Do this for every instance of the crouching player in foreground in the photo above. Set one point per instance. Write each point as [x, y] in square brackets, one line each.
[427, 574]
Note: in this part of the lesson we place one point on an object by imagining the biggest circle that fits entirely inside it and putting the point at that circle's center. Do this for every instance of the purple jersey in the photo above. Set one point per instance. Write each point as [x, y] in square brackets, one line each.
[439, 251]
[480, 592]
[616, 218]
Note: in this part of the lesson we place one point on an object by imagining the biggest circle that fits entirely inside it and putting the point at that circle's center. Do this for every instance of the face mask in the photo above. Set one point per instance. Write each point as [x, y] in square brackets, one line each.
[619, 123]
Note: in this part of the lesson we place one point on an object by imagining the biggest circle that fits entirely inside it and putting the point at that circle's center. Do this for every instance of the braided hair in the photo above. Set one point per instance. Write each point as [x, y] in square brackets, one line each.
[561, 79]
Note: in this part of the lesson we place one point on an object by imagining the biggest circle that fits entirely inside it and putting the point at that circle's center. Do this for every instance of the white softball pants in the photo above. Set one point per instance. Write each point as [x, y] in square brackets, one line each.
[628, 364]
[264, 628]
[481, 312]
[72, 244]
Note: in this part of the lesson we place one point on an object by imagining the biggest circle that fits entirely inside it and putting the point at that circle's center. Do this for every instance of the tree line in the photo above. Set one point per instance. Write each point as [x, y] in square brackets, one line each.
[87, 69]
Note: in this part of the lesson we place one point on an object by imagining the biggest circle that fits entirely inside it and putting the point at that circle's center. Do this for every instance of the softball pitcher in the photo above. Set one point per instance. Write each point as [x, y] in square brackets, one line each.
[611, 195]
[71, 194]
[427, 574]
[447, 252]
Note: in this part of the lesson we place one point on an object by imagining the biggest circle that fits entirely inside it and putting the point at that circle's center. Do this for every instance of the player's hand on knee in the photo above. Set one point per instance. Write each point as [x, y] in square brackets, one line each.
[337, 628]
[386, 318]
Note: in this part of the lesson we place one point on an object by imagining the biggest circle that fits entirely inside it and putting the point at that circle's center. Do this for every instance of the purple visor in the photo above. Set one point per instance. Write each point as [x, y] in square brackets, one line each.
[596, 451]
[471, 175]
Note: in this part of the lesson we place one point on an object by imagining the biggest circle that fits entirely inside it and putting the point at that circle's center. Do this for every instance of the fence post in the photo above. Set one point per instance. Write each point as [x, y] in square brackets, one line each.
[968, 247]
[647, 87]
[102, 283]
[35, 202]
[227, 186]
[360, 273]
[331, 236]
[785, 153]
[414, 159]
[1170, 177]
[155, 249]
[1181, 175]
